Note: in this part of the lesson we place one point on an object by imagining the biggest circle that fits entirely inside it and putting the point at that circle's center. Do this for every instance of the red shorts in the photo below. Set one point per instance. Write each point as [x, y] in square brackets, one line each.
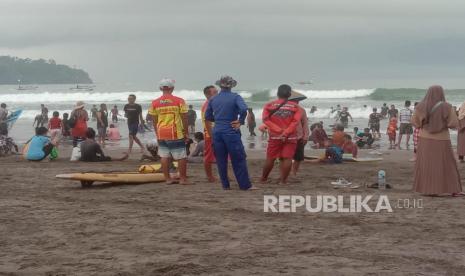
[208, 154]
[281, 149]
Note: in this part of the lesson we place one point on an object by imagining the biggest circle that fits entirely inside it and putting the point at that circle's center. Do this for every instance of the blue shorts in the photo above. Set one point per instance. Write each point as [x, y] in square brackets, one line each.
[133, 129]
[172, 148]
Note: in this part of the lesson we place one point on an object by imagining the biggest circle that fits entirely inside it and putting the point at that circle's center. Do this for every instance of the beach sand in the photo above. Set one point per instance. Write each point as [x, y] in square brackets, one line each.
[54, 227]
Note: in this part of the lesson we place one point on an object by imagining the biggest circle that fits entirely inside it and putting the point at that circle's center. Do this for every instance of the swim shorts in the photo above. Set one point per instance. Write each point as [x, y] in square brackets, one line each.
[405, 128]
[133, 129]
[278, 148]
[172, 148]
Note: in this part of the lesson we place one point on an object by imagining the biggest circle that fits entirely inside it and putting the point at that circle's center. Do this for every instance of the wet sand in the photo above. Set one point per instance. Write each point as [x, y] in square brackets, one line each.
[54, 227]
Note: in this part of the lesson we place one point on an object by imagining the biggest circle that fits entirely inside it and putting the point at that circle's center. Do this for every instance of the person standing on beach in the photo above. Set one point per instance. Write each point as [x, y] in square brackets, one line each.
[461, 133]
[3, 116]
[302, 131]
[374, 122]
[384, 110]
[44, 112]
[228, 111]
[170, 122]
[80, 117]
[343, 117]
[208, 154]
[405, 128]
[133, 113]
[393, 112]
[191, 118]
[93, 112]
[3, 113]
[436, 170]
[114, 114]
[102, 123]
[281, 116]
[251, 123]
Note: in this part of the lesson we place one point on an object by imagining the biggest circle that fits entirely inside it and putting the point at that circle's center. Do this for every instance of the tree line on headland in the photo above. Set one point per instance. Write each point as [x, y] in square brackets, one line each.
[14, 70]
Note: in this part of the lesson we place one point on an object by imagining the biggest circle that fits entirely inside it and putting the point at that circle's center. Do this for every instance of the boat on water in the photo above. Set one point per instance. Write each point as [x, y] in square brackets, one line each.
[27, 87]
[304, 82]
[83, 87]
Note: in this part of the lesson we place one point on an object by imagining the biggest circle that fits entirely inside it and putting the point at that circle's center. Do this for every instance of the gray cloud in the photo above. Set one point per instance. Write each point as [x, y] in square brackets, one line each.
[263, 42]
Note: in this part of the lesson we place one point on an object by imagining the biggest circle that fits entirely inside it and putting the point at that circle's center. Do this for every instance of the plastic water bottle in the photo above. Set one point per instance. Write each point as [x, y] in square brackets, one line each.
[381, 180]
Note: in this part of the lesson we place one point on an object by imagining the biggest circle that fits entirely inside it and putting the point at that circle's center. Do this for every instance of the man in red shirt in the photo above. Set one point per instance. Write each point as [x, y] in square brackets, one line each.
[208, 154]
[281, 116]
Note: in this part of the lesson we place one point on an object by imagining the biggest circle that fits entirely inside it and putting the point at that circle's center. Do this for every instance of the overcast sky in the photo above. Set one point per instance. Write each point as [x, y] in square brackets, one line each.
[338, 44]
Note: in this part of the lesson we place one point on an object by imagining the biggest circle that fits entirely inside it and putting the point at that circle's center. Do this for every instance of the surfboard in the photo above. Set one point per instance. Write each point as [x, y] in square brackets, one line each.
[146, 174]
[349, 158]
[13, 117]
[87, 179]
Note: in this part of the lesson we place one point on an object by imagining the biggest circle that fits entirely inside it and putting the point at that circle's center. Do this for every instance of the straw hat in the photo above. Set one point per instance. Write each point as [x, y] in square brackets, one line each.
[79, 105]
[226, 82]
[296, 96]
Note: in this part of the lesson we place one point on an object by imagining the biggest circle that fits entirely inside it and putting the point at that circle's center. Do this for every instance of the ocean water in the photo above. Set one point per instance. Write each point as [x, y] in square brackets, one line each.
[359, 101]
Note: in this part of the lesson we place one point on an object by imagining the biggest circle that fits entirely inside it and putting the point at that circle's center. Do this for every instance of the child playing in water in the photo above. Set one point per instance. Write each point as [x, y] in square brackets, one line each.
[365, 139]
[338, 135]
[113, 133]
[66, 130]
[391, 132]
[55, 126]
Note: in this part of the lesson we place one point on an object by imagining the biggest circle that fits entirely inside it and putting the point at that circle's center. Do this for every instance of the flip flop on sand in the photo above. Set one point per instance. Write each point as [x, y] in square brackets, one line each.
[341, 182]
[375, 186]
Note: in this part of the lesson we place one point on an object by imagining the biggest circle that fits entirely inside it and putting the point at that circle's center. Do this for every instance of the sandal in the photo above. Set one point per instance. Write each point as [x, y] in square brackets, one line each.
[341, 182]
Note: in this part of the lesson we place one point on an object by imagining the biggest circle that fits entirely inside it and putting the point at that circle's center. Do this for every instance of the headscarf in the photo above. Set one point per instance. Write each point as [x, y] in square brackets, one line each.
[435, 121]
[462, 111]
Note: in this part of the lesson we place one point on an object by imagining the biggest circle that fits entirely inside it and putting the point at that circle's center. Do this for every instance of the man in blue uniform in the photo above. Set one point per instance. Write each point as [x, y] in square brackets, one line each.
[228, 111]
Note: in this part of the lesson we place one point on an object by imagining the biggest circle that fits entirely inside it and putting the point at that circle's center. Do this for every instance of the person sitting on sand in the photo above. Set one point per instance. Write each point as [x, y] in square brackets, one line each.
[392, 132]
[6, 143]
[281, 116]
[349, 146]
[338, 135]
[152, 149]
[319, 135]
[333, 154]
[40, 146]
[113, 133]
[196, 156]
[365, 139]
[91, 151]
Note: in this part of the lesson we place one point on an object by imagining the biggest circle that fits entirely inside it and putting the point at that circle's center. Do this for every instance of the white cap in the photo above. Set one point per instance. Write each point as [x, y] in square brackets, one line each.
[167, 83]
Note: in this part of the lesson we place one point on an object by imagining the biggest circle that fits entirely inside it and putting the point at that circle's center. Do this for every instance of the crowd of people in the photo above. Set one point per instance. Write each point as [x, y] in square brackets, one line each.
[284, 121]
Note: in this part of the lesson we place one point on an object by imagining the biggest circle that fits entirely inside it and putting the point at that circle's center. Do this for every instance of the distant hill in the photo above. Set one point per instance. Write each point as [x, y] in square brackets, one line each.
[39, 71]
